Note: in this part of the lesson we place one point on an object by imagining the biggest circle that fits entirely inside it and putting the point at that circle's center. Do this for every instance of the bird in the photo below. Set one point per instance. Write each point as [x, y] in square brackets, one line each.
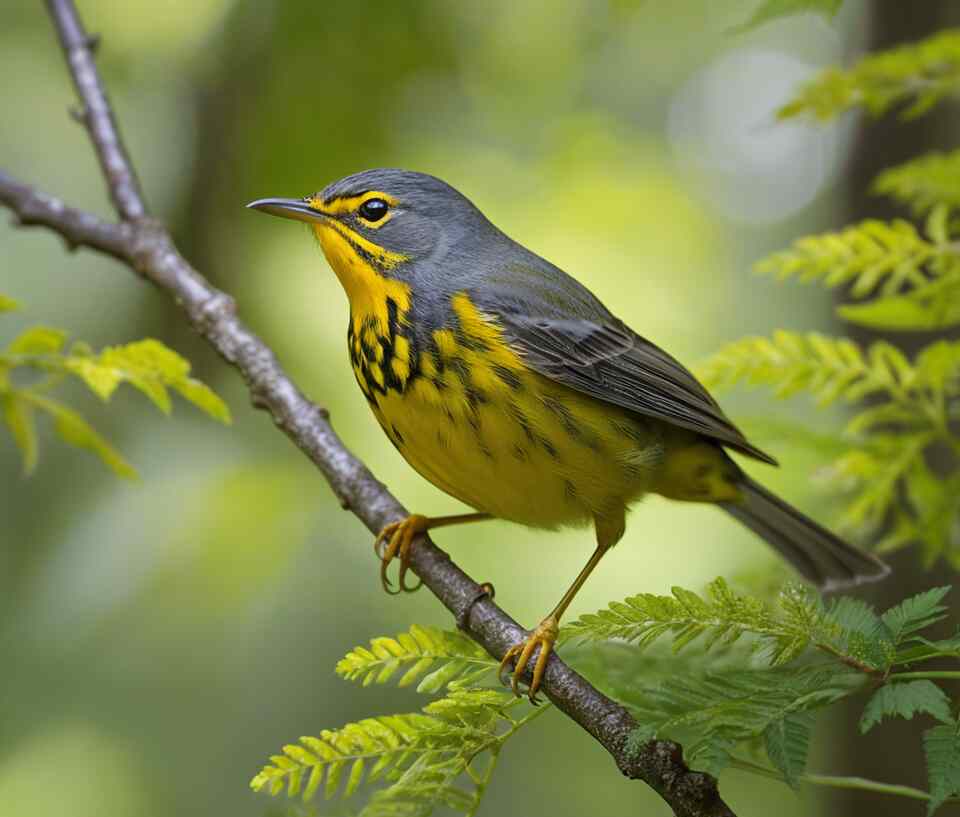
[506, 383]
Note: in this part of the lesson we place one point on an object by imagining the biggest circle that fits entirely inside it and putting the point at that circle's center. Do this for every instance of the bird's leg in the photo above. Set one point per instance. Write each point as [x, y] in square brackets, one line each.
[545, 636]
[396, 538]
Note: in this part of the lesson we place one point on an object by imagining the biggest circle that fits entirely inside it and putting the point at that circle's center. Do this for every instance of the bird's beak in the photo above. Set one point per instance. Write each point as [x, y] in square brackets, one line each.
[296, 209]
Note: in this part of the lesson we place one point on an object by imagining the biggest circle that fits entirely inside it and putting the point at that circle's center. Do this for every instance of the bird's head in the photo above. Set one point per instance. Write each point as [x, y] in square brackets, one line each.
[383, 222]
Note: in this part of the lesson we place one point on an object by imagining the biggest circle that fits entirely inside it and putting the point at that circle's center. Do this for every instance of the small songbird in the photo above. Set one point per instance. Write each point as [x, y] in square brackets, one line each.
[507, 384]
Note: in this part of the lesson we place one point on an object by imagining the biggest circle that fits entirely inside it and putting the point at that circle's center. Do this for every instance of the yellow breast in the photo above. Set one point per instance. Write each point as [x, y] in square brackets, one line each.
[474, 420]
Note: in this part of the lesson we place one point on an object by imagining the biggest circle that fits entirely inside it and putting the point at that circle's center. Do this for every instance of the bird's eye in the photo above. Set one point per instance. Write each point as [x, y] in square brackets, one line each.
[374, 209]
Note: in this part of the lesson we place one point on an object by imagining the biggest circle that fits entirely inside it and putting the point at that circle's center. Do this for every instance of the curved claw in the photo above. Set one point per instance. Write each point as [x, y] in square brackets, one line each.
[544, 637]
[398, 538]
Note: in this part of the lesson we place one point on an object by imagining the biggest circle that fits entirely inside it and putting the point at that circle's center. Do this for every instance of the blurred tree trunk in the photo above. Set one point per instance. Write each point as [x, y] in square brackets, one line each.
[893, 753]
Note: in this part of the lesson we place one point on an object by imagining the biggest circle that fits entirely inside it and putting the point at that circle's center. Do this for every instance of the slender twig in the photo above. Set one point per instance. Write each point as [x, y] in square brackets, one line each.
[834, 781]
[946, 675]
[145, 246]
[97, 113]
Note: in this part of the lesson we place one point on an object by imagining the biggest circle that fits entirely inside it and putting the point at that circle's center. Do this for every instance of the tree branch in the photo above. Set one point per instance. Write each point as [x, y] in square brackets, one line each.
[145, 245]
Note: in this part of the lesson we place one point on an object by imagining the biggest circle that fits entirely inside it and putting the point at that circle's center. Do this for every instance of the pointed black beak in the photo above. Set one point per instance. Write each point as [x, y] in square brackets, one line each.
[296, 209]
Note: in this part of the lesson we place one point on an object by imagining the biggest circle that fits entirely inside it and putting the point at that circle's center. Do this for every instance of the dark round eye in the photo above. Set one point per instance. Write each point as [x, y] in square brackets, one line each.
[374, 209]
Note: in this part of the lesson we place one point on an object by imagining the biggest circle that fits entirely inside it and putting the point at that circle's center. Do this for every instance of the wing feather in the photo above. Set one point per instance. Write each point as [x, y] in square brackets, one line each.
[611, 362]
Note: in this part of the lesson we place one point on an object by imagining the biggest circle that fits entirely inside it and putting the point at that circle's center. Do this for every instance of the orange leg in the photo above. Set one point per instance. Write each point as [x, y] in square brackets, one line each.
[544, 636]
[396, 539]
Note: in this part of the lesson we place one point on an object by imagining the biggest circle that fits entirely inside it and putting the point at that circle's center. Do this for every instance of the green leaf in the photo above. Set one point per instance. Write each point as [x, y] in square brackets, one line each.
[869, 257]
[830, 369]
[931, 306]
[933, 501]
[904, 700]
[422, 755]
[722, 618]
[8, 304]
[450, 656]
[916, 613]
[714, 713]
[913, 77]
[37, 340]
[76, 431]
[19, 418]
[923, 183]
[787, 742]
[871, 476]
[941, 745]
[150, 367]
[775, 9]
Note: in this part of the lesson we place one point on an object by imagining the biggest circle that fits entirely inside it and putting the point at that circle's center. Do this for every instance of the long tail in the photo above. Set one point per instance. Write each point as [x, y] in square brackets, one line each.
[816, 553]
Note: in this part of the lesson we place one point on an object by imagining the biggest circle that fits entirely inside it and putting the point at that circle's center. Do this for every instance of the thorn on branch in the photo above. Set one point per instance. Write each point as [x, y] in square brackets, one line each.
[78, 114]
[93, 43]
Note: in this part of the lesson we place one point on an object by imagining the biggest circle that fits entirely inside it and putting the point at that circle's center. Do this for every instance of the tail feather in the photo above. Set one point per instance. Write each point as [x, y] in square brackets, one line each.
[818, 555]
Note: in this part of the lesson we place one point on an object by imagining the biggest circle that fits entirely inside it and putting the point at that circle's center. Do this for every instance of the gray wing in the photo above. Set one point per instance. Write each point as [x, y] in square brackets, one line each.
[612, 363]
[566, 334]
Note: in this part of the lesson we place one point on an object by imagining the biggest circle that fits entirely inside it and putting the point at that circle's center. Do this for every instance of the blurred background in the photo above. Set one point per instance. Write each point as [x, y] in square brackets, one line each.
[160, 638]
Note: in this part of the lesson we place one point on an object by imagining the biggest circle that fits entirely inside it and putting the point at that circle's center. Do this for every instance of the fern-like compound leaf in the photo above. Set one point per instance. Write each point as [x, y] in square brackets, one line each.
[941, 746]
[714, 713]
[787, 742]
[431, 656]
[924, 183]
[905, 699]
[914, 77]
[722, 617]
[427, 758]
[916, 613]
[868, 257]
[828, 368]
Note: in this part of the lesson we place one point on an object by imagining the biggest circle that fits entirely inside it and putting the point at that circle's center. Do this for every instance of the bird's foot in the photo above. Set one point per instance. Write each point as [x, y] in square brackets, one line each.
[394, 541]
[545, 636]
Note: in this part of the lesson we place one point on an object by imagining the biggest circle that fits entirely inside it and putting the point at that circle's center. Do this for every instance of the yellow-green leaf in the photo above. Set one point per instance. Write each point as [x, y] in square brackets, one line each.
[101, 380]
[37, 340]
[76, 431]
[19, 418]
[8, 304]
[205, 398]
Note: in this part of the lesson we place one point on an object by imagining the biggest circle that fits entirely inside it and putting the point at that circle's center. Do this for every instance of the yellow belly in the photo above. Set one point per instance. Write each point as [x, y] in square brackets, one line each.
[521, 447]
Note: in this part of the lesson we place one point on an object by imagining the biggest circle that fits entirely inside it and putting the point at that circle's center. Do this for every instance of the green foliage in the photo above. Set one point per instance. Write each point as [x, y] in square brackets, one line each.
[786, 741]
[805, 654]
[147, 365]
[775, 9]
[904, 409]
[869, 258]
[448, 656]
[941, 746]
[916, 613]
[721, 618]
[923, 183]
[899, 279]
[904, 700]
[915, 77]
[714, 713]
[442, 756]
[846, 628]
[828, 368]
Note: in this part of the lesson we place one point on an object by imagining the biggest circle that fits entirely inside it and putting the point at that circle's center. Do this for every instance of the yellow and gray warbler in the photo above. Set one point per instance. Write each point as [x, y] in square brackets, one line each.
[507, 384]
